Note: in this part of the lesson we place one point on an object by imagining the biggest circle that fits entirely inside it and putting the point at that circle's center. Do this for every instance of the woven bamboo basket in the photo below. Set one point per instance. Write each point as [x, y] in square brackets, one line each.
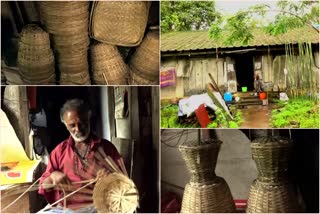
[212, 198]
[272, 155]
[119, 23]
[34, 35]
[267, 197]
[108, 66]
[146, 58]
[115, 193]
[201, 160]
[82, 78]
[138, 78]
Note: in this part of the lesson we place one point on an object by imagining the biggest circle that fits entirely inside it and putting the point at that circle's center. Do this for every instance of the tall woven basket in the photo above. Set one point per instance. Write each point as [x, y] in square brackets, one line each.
[119, 23]
[272, 190]
[205, 193]
[108, 67]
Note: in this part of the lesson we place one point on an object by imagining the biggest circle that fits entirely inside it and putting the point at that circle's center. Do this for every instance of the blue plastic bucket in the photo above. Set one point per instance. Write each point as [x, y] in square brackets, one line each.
[227, 97]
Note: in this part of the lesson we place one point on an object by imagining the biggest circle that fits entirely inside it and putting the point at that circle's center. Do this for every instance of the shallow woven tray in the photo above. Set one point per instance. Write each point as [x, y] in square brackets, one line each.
[115, 193]
[201, 160]
[272, 198]
[213, 198]
[146, 57]
[271, 155]
[119, 23]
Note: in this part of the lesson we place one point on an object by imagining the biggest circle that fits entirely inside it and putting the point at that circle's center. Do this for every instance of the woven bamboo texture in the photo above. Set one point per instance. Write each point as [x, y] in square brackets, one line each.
[201, 160]
[146, 56]
[67, 23]
[213, 198]
[267, 197]
[115, 193]
[35, 57]
[119, 23]
[108, 67]
[138, 78]
[271, 155]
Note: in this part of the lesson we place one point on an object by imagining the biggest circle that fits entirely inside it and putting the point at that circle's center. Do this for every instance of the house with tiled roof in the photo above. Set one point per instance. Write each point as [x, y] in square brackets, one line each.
[193, 55]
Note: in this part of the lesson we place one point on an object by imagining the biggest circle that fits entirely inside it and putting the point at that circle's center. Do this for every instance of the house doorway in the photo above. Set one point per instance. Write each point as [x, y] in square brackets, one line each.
[245, 71]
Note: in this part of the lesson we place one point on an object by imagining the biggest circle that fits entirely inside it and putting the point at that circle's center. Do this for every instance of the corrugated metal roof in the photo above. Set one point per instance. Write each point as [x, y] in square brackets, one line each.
[199, 40]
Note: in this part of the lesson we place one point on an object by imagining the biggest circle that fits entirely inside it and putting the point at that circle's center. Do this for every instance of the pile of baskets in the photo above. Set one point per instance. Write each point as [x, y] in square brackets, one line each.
[272, 191]
[67, 23]
[206, 192]
[35, 57]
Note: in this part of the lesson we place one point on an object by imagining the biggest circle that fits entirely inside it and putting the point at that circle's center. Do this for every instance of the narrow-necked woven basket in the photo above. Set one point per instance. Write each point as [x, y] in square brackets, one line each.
[201, 160]
[146, 57]
[115, 193]
[108, 66]
[212, 198]
[265, 197]
[119, 22]
[272, 155]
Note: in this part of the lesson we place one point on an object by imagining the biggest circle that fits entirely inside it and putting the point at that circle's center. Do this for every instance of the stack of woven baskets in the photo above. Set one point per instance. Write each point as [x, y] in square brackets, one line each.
[35, 57]
[272, 192]
[67, 23]
[123, 24]
[206, 192]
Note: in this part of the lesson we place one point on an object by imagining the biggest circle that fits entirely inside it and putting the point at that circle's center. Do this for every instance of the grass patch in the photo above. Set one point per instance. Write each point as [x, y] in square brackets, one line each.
[300, 112]
[170, 119]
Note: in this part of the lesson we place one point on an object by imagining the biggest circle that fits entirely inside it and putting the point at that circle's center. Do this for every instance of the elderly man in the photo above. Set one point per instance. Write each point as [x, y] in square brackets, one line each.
[75, 159]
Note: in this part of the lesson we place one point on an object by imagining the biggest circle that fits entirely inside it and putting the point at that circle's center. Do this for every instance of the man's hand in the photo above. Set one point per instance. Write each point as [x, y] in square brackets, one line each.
[101, 173]
[58, 177]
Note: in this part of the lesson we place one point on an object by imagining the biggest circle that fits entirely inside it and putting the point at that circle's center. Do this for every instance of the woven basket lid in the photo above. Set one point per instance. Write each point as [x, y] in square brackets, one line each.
[115, 193]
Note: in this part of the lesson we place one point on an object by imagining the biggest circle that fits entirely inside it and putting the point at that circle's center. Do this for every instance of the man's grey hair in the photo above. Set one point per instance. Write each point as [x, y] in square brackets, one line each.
[75, 105]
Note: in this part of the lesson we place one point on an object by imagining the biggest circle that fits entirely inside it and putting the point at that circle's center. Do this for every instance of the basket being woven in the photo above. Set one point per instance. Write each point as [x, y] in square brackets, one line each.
[146, 57]
[265, 197]
[115, 193]
[201, 160]
[119, 23]
[108, 66]
[272, 155]
[212, 198]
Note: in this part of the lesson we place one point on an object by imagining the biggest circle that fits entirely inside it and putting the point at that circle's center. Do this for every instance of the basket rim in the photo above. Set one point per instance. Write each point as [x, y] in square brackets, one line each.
[217, 143]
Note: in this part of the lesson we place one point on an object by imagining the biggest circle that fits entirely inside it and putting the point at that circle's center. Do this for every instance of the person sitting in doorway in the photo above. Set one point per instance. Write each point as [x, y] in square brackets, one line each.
[258, 84]
[73, 161]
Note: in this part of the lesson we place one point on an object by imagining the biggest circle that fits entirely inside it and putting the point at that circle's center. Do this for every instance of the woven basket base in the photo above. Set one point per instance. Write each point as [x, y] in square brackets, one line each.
[213, 198]
[272, 198]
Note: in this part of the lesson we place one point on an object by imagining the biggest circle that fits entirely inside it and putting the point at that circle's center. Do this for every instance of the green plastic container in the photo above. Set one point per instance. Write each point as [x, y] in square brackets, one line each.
[244, 89]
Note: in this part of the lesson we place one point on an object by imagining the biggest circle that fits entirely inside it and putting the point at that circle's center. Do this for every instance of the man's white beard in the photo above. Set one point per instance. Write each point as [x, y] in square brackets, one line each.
[82, 138]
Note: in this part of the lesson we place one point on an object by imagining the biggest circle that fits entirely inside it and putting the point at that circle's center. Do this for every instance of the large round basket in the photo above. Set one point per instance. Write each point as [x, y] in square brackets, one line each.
[265, 197]
[138, 78]
[212, 198]
[201, 160]
[146, 58]
[119, 23]
[271, 155]
[115, 193]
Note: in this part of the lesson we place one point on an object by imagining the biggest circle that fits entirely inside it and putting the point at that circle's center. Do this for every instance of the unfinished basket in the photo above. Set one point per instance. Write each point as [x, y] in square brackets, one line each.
[119, 23]
[272, 155]
[115, 193]
[201, 160]
[267, 197]
[108, 66]
[212, 198]
[146, 56]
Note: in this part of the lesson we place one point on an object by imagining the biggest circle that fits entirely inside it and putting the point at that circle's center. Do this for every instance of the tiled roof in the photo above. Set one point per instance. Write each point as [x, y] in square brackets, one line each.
[199, 40]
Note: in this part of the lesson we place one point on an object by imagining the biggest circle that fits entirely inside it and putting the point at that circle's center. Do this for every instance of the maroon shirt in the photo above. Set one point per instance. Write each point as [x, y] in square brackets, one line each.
[64, 158]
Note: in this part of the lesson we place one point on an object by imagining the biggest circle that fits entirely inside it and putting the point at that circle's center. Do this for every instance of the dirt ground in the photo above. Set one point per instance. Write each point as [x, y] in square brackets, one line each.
[256, 116]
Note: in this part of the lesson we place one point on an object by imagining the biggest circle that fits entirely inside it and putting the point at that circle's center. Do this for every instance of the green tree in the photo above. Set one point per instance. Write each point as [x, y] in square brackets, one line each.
[290, 14]
[187, 15]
